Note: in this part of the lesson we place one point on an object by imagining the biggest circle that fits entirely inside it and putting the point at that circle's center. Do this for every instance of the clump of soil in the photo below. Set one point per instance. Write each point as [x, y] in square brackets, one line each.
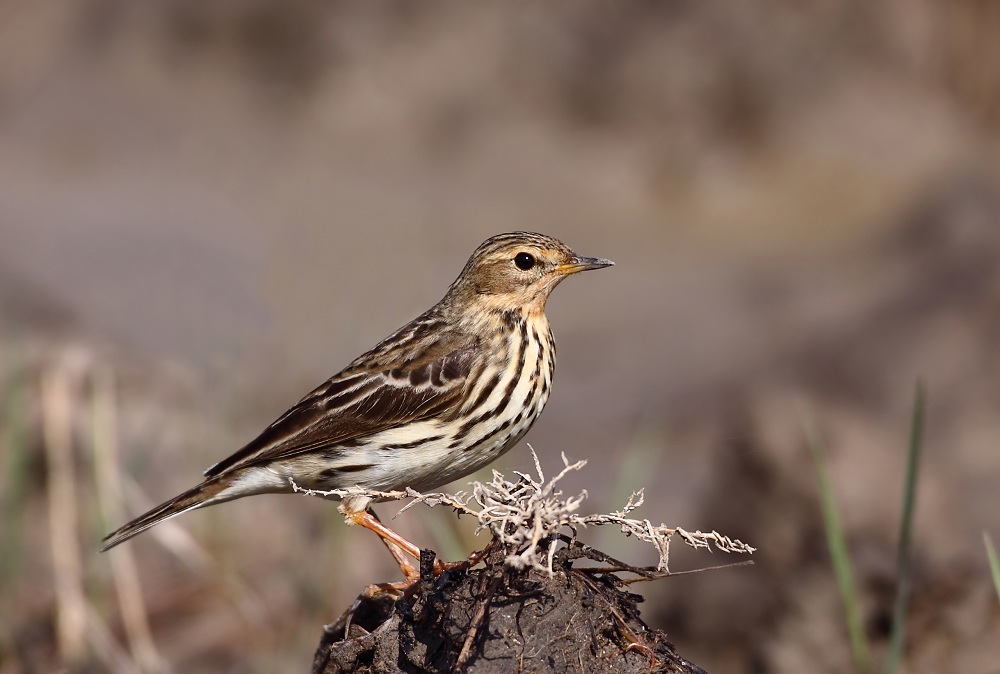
[496, 619]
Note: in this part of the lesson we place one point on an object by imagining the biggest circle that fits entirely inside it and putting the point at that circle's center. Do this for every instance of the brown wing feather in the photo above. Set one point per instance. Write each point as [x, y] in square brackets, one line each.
[397, 382]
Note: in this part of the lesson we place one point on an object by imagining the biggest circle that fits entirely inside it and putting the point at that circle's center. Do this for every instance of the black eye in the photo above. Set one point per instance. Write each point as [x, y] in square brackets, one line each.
[524, 261]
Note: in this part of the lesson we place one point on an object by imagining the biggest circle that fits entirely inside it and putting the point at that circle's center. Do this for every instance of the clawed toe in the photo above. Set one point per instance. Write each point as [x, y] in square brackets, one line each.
[393, 591]
[440, 567]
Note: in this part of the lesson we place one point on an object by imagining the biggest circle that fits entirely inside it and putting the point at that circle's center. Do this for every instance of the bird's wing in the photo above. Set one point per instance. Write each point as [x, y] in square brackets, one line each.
[391, 385]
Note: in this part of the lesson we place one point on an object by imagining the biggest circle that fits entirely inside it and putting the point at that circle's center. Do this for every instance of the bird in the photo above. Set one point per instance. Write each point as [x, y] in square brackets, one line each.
[445, 395]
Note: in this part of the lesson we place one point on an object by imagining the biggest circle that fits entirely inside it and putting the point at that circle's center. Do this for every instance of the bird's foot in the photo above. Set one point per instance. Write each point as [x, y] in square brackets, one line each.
[384, 594]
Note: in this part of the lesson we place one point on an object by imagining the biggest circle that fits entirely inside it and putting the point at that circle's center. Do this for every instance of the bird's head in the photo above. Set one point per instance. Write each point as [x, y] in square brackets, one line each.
[518, 270]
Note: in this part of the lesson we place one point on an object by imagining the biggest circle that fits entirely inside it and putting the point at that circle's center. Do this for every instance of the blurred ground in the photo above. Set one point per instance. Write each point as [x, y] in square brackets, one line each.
[221, 203]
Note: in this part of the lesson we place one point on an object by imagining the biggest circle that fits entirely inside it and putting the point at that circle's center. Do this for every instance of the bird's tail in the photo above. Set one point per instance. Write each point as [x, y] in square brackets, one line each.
[209, 492]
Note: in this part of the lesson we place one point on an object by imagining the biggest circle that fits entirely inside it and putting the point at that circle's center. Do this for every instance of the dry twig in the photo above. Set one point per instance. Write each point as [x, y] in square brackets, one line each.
[529, 515]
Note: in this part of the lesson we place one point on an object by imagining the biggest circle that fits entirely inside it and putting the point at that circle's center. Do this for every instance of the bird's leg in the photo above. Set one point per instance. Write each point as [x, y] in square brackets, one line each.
[397, 545]
[399, 548]
[409, 570]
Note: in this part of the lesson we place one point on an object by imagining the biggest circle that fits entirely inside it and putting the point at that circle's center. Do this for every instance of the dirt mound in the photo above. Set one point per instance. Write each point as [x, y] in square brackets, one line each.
[500, 619]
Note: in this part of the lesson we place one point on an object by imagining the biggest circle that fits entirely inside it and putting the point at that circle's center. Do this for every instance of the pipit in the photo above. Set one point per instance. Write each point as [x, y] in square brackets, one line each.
[443, 396]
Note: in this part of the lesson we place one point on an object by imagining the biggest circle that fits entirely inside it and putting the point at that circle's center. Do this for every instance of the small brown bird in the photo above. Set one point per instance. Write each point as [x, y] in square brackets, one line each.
[443, 396]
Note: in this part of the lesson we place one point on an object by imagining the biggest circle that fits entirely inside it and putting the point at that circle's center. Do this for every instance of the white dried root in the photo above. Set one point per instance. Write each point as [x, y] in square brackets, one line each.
[528, 516]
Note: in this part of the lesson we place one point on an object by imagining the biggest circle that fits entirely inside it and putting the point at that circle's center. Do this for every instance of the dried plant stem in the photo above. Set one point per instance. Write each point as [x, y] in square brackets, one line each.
[71, 608]
[106, 648]
[109, 489]
[528, 516]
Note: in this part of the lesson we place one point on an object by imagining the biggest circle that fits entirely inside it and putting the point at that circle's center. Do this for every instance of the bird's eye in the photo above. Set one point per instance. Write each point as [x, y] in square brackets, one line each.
[524, 261]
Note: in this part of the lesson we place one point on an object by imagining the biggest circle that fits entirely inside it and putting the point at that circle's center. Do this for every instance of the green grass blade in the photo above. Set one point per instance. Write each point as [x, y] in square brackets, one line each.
[903, 574]
[991, 554]
[838, 549]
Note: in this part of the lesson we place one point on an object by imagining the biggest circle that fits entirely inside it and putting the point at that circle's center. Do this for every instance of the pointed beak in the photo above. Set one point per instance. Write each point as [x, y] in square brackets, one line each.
[577, 264]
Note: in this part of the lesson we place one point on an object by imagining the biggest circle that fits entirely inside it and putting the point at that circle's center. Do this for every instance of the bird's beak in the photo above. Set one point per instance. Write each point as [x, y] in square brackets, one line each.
[578, 263]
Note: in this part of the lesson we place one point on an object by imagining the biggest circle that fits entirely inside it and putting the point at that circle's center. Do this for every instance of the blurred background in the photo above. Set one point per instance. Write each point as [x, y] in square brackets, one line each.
[208, 207]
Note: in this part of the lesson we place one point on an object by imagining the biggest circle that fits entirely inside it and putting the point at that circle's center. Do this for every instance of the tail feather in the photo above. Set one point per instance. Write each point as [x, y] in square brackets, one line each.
[208, 492]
